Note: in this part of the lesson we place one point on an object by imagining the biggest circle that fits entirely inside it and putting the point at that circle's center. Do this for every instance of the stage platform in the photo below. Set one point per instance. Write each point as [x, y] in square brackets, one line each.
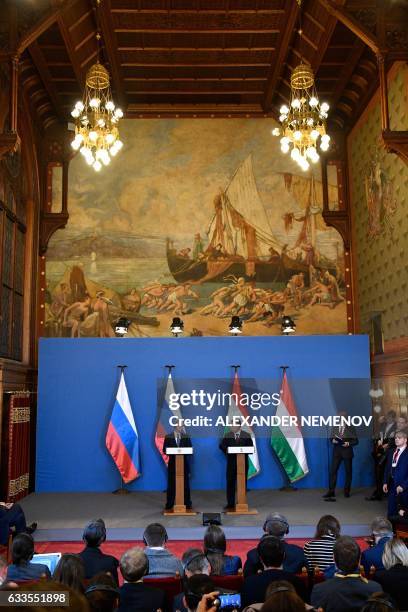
[62, 516]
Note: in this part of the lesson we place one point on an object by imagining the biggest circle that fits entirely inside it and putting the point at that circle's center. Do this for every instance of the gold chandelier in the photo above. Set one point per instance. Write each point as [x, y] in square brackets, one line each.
[303, 128]
[97, 118]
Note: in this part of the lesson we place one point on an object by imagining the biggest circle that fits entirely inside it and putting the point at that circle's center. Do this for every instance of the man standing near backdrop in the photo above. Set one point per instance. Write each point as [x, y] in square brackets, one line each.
[234, 437]
[396, 474]
[342, 438]
[177, 439]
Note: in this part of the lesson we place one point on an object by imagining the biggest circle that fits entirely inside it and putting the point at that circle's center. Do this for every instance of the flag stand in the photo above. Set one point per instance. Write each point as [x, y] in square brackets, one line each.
[121, 490]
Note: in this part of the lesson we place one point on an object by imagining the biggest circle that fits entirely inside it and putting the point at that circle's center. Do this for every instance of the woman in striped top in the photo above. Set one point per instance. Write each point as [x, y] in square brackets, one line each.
[319, 552]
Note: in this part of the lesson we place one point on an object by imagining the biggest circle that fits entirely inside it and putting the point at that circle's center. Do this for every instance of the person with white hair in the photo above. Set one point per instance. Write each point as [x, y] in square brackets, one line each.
[381, 529]
[134, 594]
[394, 577]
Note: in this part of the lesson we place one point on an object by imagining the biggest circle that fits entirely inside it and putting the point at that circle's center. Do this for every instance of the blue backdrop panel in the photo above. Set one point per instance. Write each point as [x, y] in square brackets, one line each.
[78, 381]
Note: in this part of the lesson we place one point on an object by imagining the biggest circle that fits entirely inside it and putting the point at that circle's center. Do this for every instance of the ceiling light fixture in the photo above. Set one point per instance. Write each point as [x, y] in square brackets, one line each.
[96, 116]
[303, 129]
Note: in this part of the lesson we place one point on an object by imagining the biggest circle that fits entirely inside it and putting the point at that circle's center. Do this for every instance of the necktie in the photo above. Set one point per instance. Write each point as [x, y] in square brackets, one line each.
[178, 439]
[341, 432]
[236, 436]
[395, 456]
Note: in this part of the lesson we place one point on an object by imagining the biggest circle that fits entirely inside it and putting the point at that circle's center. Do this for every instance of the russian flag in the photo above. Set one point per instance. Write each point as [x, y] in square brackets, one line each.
[122, 440]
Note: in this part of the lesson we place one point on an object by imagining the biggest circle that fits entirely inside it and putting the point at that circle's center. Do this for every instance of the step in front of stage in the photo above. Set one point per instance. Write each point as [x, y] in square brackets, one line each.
[62, 516]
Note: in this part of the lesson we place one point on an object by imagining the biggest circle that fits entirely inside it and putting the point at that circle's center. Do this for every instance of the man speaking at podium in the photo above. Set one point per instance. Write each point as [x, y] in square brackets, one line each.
[234, 437]
[181, 440]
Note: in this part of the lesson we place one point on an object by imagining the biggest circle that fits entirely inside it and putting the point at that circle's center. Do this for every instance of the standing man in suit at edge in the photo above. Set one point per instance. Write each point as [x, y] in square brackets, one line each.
[343, 438]
[178, 438]
[234, 437]
[396, 474]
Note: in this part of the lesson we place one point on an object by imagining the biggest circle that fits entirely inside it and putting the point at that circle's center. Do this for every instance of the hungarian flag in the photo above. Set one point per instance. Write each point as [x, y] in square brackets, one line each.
[122, 440]
[287, 442]
[238, 409]
[163, 426]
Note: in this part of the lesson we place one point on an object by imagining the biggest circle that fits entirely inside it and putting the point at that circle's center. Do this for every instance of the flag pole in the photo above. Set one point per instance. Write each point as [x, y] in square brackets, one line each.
[287, 486]
[122, 490]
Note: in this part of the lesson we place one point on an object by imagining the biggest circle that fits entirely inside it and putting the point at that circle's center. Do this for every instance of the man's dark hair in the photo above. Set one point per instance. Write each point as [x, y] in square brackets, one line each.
[194, 561]
[379, 602]
[328, 525]
[197, 586]
[102, 593]
[347, 554]
[155, 535]
[22, 549]
[392, 413]
[70, 571]
[271, 551]
[94, 533]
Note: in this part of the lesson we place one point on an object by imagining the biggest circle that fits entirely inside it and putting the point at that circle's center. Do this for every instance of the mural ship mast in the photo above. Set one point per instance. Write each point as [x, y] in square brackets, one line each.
[241, 241]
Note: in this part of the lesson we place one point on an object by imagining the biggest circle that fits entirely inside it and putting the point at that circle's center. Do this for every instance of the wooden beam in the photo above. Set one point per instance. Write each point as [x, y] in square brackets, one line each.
[45, 75]
[382, 72]
[352, 24]
[42, 25]
[283, 45]
[347, 71]
[111, 45]
[194, 22]
[69, 45]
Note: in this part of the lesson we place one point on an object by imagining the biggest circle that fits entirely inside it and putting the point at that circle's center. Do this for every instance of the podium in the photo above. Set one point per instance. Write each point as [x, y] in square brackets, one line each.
[179, 508]
[241, 506]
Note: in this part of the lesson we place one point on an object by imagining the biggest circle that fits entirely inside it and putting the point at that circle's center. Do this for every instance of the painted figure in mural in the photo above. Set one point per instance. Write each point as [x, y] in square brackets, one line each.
[198, 246]
[334, 289]
[380, 201]
[175, 300]
[217, 301]
[131, 301]
[242, 296]
[61, 300]
[77, 284]
[75, 314]
[102, 309]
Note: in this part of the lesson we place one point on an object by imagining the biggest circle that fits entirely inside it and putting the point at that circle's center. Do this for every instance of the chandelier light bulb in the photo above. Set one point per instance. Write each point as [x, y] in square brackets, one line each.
[119, 144]
[94, 102]
[90, 159]
[119, 113]
[276, 132]
[75, 144]
[297, 135]
[295, 103]
[314, 134]
[93, 136]
[324, 145]
[79, 105]
[284, 110]
[325, 107]
[110, 106]
[75, 113]
[97, 166]
[285, 148]
[313, 102]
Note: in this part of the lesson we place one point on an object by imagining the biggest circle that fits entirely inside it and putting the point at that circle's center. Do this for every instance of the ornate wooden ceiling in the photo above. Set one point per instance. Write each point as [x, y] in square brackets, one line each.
[203, 57]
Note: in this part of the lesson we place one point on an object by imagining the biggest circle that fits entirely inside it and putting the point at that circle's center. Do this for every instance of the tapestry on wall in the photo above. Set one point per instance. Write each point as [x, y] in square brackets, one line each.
[381, 202]
[200, 219]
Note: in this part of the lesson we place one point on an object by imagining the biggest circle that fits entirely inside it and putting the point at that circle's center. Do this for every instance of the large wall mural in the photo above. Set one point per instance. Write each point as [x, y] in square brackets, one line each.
[201, 219]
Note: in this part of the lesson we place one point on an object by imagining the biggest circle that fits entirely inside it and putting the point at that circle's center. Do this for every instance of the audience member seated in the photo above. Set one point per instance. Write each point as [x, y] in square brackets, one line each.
[288, 601]
[134, 594]
[379, 602]
[381, 529]
[319, 552]
[271, 552]
[394, 578]
[277, 525]
[162, 562]
[71, 572]
[12, 518]
[215, 546]
[348, 590]
[94, 560]
[194, 562]
[196, 587]
[102, 593]
[22, 569]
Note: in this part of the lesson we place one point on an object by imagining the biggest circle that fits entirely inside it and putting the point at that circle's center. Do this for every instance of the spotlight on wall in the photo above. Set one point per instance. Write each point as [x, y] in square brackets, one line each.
[122, 327]
[177, 327]
[235, 327]
[288, 326]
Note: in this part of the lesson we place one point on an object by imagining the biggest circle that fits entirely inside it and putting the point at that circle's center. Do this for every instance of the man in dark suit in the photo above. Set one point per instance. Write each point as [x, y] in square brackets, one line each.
[381, 444]
[135, 595]
[348, 590]
[235, 437]
[177, 439]
[12, 518]
[381, 529]
[271, 552]
[276, 525]
[343, 438]
[95, 561]
[396, 474]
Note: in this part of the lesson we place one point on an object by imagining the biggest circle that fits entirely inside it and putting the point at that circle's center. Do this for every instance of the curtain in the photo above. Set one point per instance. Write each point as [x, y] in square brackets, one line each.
[18, 455]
